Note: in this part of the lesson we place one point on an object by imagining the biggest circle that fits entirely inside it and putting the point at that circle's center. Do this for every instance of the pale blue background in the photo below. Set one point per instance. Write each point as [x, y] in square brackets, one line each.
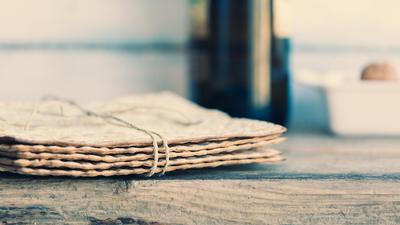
[46, 47]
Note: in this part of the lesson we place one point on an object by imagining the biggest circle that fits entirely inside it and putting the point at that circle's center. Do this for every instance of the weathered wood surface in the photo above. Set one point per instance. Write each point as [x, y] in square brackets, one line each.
[325, 180]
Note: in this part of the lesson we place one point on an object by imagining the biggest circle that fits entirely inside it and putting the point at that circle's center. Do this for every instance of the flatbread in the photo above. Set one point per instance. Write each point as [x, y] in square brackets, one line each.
[164, 113]
[123, 171]
[133, 150]
[85, 165]
[136, 156]
[100, 139]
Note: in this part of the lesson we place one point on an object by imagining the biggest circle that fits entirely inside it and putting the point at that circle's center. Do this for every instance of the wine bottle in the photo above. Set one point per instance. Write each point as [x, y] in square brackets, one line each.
[239, 58]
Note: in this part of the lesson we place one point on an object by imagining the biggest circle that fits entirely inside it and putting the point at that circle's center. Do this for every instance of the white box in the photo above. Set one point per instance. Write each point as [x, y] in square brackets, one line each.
[364, 107]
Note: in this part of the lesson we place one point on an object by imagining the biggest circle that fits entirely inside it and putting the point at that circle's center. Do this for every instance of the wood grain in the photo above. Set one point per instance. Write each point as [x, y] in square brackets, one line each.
[202, 202]
[325, 180]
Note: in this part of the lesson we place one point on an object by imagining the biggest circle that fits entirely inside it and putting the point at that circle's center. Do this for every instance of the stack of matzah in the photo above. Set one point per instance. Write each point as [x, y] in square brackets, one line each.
[69, 142]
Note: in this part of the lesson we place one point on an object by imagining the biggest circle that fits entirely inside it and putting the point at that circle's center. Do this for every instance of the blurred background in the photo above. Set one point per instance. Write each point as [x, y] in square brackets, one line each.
[99, 49]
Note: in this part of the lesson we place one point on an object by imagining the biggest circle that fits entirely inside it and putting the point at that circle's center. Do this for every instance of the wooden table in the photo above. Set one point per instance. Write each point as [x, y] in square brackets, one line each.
[325, 180]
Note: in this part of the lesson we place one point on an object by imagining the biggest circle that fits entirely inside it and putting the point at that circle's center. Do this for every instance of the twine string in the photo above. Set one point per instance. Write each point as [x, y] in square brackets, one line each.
[189, 120]
[42, 106]
[166, 148]
[152, 134]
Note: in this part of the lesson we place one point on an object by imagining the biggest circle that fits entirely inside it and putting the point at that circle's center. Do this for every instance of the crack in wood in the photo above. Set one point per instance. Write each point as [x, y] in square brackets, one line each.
[126, 185]
[120, 221]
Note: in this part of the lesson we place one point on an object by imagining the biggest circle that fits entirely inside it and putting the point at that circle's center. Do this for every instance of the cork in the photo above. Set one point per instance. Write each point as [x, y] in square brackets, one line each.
[379, 71]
